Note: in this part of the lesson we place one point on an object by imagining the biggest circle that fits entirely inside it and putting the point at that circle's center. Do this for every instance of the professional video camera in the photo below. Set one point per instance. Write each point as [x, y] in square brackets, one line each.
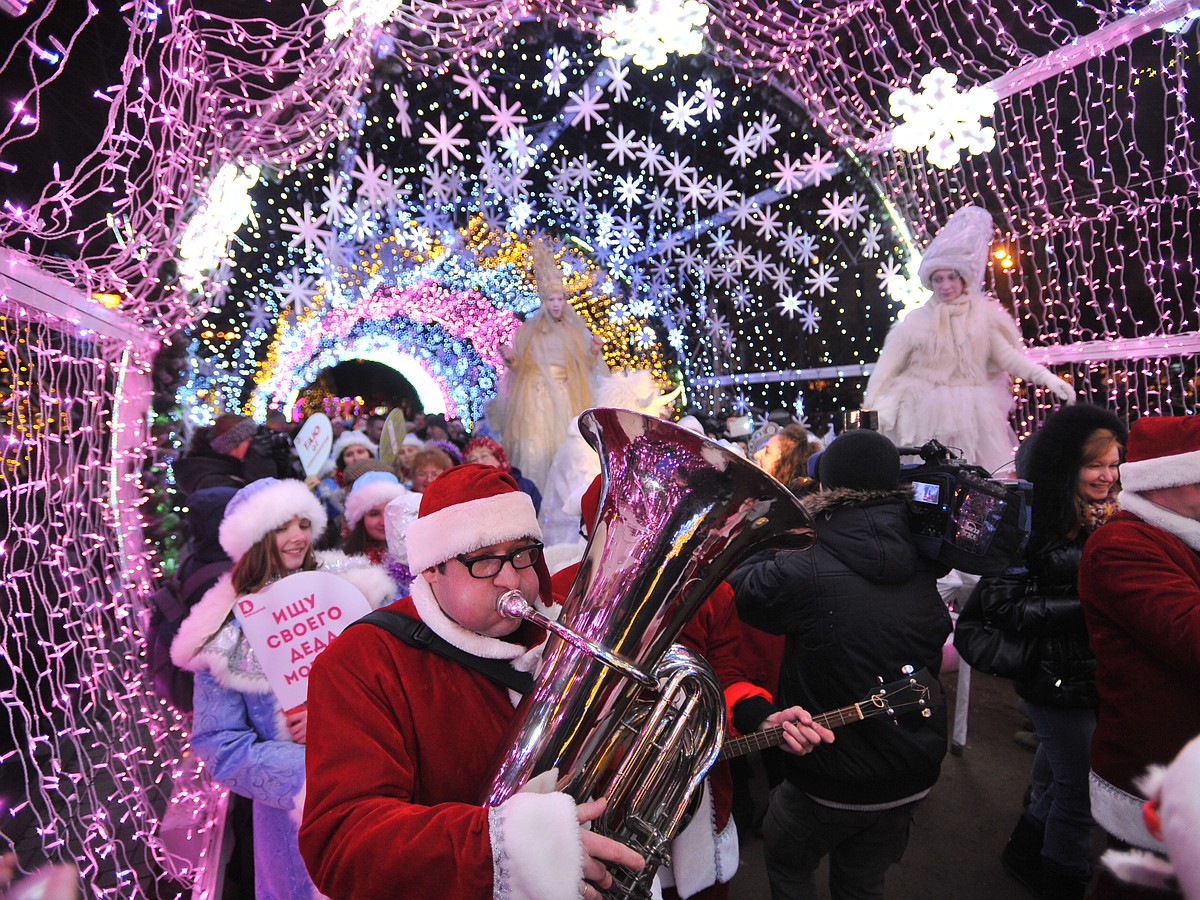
[961, 516]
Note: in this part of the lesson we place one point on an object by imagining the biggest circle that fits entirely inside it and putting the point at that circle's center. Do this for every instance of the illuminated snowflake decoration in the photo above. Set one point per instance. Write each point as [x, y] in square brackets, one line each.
[943, 119]
[344, 15]
[226, 206]
[652, 31]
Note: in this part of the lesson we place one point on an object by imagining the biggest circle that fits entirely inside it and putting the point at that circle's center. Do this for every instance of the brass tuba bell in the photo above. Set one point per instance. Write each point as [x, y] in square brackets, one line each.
[617, 710]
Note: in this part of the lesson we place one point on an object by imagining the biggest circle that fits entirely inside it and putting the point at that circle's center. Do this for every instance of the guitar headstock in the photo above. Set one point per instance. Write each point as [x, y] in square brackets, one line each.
[919, 691]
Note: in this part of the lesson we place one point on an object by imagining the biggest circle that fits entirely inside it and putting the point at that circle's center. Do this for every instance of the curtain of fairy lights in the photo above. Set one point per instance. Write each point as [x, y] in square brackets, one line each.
[1092, 179]
[83, 746]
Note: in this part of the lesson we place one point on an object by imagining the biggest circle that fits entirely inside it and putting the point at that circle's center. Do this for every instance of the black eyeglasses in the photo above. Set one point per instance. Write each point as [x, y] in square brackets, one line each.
[490, 566]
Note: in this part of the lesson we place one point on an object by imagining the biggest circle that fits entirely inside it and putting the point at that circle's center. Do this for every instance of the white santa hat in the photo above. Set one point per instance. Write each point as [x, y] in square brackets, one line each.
[352, 438]
[371, 489]
[261, 507]
[1162, 452]
[961, 245]
[469, 507]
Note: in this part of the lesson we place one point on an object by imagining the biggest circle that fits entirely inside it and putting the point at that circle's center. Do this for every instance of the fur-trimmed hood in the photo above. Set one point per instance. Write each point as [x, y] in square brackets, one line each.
[836, 498]
[1050, 459]
[867, 531]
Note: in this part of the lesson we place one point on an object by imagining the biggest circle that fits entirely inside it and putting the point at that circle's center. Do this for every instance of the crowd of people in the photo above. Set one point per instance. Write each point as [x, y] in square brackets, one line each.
[1106, 601]
[377, 781]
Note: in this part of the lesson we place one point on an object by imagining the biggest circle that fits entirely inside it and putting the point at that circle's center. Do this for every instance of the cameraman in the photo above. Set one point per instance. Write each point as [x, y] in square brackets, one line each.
[232, 453]
[861, 605]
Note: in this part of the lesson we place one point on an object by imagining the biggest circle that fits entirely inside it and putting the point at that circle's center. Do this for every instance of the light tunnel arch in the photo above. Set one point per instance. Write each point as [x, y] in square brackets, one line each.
[436, 388]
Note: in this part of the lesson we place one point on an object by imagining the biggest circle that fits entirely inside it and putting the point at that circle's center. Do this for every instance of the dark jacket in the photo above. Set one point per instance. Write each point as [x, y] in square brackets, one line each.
[857, 608]
[1042, 606]
[267, 457]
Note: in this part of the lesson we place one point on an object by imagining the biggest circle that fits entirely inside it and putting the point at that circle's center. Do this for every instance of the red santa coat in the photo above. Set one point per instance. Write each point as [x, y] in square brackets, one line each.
[1140, 587]
[400, 743]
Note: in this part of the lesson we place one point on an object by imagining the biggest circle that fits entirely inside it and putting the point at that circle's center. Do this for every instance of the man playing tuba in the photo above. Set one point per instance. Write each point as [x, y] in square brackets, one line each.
[401, 737]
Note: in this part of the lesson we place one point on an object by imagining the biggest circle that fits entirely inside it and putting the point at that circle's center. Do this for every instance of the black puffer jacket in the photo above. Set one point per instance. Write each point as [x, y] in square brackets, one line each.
[1042, 607]
[860, 606]
[1050, 615]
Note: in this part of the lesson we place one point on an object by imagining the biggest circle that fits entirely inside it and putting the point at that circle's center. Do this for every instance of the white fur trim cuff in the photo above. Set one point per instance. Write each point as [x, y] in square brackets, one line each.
[259, 515]
[536, 848]
[464, 527]
[1161, 472]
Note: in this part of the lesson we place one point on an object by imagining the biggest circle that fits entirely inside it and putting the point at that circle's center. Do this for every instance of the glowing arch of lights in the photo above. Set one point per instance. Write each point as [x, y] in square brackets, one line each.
[448, 372]
[432, 390]
[443, 312]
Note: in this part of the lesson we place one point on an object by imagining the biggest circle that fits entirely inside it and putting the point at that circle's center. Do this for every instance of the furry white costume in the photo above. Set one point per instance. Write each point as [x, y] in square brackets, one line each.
[576, 463]
[946, 370]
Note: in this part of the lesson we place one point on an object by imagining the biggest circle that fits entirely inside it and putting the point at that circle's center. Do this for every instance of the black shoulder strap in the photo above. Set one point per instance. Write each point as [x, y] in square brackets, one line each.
[418, 634]
[206, 572]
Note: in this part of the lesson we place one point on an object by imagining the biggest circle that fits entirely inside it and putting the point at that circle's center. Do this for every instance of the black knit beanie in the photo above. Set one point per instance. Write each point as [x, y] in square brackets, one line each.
[861, 459]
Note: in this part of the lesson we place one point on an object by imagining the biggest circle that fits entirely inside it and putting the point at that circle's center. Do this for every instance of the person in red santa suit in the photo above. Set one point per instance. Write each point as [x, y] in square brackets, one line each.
[401, 739]
[704, 857]
[1139, 582]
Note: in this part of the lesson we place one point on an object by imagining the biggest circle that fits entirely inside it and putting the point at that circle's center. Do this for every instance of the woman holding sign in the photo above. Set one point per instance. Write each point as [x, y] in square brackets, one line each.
[239, 729]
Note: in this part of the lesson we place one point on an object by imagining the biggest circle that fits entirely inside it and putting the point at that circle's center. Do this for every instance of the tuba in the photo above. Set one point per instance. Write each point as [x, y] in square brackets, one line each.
[618, 710]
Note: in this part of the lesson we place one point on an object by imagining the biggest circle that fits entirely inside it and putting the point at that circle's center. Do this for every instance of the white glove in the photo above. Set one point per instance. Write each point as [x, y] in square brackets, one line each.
[1060, 389]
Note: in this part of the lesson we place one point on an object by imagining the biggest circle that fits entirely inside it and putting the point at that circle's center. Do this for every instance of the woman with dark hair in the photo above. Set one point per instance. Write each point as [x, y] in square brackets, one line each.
[1072, 462]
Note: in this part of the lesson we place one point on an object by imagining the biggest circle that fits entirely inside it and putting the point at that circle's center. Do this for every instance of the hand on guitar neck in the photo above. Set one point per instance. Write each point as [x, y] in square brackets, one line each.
[797, 731]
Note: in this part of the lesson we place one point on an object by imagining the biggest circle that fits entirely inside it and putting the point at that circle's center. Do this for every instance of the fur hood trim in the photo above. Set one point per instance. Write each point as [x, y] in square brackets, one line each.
[839, 498]
[205, 620]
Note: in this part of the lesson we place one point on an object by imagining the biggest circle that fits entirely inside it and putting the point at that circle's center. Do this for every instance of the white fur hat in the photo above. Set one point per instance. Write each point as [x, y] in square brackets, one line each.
[261, 507]
[349, 438]
[961, 245]
[370, 490]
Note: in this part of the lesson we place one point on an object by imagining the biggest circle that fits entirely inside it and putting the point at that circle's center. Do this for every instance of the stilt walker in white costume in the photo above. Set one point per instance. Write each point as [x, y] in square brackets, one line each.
[946, 370]
[553, 362]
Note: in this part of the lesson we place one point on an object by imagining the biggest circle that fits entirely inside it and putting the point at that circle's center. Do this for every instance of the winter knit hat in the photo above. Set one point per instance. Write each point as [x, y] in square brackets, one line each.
[860, 459]
[961, 245]
[370, 490]
[264, 505]
[230, 430]
[349, 438]
[360, 468]
[1163, 452]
